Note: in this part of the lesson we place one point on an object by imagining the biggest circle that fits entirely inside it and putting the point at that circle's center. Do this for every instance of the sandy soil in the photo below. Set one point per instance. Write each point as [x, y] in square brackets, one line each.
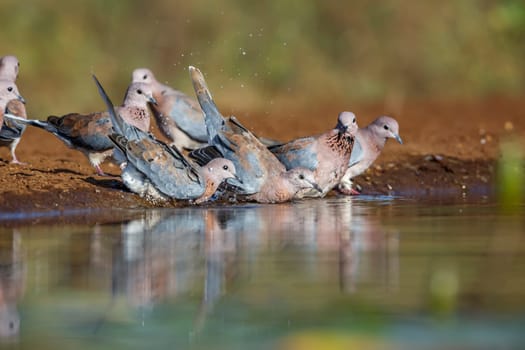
[450, 148]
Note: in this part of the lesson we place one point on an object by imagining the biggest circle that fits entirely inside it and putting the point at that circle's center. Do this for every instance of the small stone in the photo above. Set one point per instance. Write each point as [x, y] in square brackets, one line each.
[508, 126]
[389, 187]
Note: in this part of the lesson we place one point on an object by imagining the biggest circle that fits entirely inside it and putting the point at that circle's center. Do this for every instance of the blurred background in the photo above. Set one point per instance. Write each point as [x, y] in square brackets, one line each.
[263, 56]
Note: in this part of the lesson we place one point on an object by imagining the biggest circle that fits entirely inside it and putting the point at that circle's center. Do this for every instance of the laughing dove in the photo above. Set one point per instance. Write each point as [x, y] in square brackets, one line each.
[88, 133]
[158, 171]
[370, 141]
[264, 178]
[327, 155]
[11, 130]
[178, 116]
[8, 92]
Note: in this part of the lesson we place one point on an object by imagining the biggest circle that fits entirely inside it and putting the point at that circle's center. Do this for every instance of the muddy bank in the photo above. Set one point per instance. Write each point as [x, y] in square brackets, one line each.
[450, 150]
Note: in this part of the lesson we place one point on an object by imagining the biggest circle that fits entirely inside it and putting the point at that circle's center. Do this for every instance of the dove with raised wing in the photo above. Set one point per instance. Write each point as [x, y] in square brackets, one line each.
[264, 178]
[160, 172]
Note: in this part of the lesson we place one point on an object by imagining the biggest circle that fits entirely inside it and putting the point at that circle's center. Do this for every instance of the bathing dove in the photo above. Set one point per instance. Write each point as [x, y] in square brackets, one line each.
[8, 92]
[264, 178]
[370, 141]
[327, 155]
[178, 116]
[88, 133]
[9, 66]
[158, 171]
[11, 129]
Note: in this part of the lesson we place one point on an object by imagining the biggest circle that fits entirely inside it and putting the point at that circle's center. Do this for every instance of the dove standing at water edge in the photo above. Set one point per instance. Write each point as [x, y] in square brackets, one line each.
[89, 133]
[264, 178]
[327, 155]
[370, 141]
[158, 171]
[11, 130]
[8, 92]
[178, 116]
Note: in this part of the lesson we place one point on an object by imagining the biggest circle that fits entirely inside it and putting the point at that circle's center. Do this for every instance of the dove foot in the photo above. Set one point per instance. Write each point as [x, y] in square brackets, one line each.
[100, 172]
[17, 162]
[348, 190]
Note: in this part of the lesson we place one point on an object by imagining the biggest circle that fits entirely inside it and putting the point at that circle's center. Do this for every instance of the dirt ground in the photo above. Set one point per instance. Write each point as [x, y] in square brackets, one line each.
[450, 149]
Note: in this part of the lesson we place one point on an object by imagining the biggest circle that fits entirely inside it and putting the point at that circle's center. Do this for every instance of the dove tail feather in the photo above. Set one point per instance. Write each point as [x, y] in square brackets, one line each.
[214, 119]
[118, 123]
[205, 154]
[119, 141]
[33, 122]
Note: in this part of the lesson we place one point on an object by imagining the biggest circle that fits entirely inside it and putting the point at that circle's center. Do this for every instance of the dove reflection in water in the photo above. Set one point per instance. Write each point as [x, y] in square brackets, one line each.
[12, 284]
[166, 253]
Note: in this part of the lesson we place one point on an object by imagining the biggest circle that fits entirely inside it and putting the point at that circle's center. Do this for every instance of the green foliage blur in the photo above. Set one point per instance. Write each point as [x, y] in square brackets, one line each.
[255, 53]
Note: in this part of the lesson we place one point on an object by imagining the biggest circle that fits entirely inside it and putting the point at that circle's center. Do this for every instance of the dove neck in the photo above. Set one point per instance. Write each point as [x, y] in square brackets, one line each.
[371, 135]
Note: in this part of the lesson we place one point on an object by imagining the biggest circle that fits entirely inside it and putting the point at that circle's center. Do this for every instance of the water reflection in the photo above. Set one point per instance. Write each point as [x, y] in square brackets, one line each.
[12, 283]
[330, 262]
[163, 253]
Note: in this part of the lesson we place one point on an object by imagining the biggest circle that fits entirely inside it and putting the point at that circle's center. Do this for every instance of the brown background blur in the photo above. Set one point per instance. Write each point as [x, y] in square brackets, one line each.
[267, 55]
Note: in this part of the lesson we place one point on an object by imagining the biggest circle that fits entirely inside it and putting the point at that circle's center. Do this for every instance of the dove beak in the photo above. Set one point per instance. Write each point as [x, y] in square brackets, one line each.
[316, 187]
[21, 99]
[152, 100]
[235, 181]
[238, 179]
[398, 138]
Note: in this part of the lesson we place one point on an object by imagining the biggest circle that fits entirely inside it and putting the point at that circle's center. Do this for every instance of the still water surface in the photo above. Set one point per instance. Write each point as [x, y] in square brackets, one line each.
[352, 273]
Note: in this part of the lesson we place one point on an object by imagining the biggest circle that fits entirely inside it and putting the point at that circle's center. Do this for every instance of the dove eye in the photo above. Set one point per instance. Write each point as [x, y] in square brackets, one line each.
[385, 127]
[10, 89]
[139, 91]
[225, 167]
[353, 121]
[145, 77]
[301, 177]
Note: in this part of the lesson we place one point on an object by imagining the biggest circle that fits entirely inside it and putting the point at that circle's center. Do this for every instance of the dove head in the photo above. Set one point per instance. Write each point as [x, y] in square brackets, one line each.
[301, 179]
[139, 94]
[220, 169]
[347, 123]
[9, 68]
[386, 127]
[143, 75]
[214, 173]
[8, 92]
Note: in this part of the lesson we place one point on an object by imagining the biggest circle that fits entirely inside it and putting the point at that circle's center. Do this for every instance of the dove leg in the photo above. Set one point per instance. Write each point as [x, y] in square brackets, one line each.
[12, 147]
[345, 186]
[95, 158]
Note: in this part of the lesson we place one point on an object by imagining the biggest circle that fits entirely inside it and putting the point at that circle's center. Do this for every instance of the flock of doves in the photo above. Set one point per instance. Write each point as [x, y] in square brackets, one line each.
[210, 156]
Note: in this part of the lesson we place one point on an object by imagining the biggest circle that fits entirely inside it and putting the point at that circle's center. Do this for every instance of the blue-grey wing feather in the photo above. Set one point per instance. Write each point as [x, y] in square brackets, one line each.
[298, 153]
[189, 117]
[357, 154]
